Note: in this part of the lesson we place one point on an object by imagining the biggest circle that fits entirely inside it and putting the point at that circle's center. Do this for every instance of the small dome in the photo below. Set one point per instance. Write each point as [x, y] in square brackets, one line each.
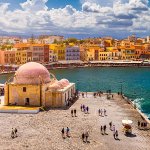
[32, 73]
[55, 86]
[64, 82]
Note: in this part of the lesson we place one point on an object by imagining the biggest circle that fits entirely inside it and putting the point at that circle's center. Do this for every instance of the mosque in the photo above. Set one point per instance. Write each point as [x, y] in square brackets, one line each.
[33, 85]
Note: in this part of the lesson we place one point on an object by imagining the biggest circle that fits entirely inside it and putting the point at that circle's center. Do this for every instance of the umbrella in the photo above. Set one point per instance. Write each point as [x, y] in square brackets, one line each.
[129, 122]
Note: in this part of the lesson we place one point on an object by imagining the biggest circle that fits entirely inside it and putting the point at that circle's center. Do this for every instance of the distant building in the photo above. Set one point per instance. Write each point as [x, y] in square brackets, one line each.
[148, 39]
[52, 56]
[73, 53]
[59, 50]
[7, 57]
[49, 39]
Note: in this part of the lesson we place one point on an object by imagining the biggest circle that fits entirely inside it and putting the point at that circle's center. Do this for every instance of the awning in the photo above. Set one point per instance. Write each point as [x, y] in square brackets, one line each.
[128, 122]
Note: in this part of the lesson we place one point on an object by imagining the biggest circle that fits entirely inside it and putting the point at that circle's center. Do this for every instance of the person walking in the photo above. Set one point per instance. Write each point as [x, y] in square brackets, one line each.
[81, 107]
[75, 111]
[101, 129]
[99, 112]
[71, 112]
[15, 132]
[104, 112]
[86, 137]
[139, 124]
[67, 132]
[110, 125]
[114, 128]
[104, 129]
[116, 134]
[63, 133]
[87, 109]
[12, 134]
[83, 136]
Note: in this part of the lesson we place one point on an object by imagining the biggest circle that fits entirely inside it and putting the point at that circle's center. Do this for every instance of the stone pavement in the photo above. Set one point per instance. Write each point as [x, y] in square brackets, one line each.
[43, 130]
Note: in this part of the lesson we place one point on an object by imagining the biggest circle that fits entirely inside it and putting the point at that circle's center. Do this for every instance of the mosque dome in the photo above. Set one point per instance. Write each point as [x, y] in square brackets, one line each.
[32, 73]
[57, 85]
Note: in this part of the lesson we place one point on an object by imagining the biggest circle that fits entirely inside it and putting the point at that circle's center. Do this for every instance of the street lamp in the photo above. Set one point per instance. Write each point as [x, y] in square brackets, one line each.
[121, 88]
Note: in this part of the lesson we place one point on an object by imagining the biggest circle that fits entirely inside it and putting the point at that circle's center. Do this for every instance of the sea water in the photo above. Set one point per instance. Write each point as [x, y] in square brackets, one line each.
[134, 82]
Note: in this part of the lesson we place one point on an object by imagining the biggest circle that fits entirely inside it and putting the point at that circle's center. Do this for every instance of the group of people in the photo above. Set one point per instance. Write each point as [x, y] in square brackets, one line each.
[99, 93]
[84, 108]
[85, 137]
[65, 132]
[112, 128]
[83, 94]
[142, 125]
[14, 133]
[101, 111]
[73, 113]
[103, 130]
[115, 132]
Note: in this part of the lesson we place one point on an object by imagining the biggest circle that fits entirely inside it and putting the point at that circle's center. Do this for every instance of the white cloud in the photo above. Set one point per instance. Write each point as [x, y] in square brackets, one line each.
[35, 17]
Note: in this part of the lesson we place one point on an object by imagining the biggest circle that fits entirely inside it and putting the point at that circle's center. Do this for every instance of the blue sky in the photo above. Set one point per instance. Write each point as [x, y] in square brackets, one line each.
[79, 18]
[51, 3]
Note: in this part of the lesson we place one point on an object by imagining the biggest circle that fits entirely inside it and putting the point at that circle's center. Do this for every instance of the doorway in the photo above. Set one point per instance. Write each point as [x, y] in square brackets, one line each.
[27, 101]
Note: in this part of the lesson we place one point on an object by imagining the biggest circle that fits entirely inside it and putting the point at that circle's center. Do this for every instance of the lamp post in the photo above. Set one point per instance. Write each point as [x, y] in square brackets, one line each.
[121, 88]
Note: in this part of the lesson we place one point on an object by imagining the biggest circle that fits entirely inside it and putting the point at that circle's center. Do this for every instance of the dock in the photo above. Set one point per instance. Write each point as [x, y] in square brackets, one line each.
[43, 130]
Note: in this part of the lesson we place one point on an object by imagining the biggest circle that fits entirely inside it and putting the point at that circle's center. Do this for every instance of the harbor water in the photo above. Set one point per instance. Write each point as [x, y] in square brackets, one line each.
[134, 82]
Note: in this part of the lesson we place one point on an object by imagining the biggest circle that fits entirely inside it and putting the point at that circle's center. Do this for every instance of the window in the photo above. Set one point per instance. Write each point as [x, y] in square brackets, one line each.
[24, 89]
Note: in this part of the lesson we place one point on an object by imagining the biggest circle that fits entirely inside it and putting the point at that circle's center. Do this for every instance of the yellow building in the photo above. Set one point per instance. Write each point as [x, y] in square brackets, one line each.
[59, 50]
[104, 55]
[93, 52]
[33, 85]
[23, 56]
[129, 53]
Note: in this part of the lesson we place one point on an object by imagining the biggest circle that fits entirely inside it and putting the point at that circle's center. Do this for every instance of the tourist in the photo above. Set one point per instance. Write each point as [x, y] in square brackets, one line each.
[139, 124]
[110, 125]
[67, 132]
[82, 95]
[71, 112]
[116, 134]
[86, 136]
[75, 111]
[63, 133]
[142, 124]
[86, 94]
[15, 132]
[104, 112]
[87, 109]
[114, 128]
[101, 129]
[99, 112]
[81, 107]
[12, 134]
[83, 136]
[104, 129]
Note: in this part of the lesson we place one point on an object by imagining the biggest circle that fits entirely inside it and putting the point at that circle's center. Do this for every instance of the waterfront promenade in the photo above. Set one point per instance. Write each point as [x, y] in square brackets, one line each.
[43, 130]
